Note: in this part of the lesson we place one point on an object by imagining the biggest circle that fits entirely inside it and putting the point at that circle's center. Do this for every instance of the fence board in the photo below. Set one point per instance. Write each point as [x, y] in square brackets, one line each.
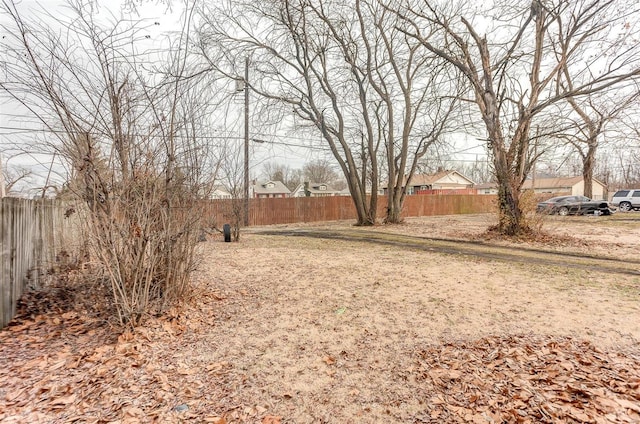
[32, 233]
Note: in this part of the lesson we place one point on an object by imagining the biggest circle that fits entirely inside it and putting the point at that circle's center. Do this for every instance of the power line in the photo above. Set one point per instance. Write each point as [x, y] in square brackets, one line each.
[18, 130]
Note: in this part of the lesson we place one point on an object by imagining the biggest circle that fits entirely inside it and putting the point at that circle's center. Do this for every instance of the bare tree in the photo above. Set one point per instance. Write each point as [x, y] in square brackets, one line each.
[320, 171]
[348, 74]
[590, 120]
[626, 156]
[594, 111]
[135, 159]
[12, 176]
[513, 58]
[3, 189]
[275, 171]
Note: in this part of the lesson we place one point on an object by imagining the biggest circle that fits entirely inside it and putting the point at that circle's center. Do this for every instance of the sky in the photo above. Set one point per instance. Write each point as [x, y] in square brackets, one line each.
[280, 148]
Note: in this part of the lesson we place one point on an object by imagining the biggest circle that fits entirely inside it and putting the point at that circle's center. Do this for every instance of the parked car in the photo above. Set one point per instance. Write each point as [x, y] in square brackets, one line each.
[626, 200]
[574, 205]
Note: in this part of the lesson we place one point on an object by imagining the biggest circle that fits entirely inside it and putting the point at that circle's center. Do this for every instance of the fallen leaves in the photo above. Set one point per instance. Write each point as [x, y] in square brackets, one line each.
[529, 379]
[63, 365]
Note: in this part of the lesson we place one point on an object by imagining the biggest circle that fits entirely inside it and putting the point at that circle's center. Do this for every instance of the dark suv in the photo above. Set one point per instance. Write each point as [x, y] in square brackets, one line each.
[626, 200]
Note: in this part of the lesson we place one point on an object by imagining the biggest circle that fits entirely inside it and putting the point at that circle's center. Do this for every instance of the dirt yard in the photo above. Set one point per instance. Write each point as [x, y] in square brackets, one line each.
[289, 329]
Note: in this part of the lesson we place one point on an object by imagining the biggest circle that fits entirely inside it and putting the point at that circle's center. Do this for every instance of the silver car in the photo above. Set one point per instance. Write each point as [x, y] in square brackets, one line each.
[626, 200]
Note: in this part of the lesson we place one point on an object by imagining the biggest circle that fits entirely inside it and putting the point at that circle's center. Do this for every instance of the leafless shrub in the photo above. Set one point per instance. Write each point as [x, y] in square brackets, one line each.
[131, 142]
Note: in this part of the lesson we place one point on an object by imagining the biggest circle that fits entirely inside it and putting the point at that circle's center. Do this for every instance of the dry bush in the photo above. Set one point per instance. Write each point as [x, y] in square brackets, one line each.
[131, 139]
[533, 220]
[144, 231]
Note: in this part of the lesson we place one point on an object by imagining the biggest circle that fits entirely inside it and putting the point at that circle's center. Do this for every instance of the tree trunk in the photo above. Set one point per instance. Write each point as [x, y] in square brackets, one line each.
[588, 161]
[366, 215]
[395, 201]
[394, 209]
[511, 220]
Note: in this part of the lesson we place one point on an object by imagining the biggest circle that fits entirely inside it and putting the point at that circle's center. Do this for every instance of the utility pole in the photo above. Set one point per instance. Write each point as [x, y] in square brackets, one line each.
[535, 160]
[246, 141]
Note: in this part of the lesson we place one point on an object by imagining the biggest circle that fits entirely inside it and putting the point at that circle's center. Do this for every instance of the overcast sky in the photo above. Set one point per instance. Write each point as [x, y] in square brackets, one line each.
[281, 148]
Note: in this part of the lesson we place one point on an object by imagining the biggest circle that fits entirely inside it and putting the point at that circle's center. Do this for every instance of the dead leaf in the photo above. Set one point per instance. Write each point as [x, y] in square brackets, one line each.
[628, 405]
[447, 374]
[186, 371]
[14, 394]
[57, 365]
[329, 360]
[215, 420]
[578, 415]
[126, 336]
[271, 419]
[64, 400]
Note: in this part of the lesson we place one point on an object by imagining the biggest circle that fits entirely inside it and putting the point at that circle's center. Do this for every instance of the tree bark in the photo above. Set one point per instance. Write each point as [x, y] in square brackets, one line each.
[588, 163]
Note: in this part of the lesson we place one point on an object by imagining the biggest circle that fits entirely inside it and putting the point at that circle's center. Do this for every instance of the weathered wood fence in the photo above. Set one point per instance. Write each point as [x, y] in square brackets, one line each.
[312, 209]
[32, 233]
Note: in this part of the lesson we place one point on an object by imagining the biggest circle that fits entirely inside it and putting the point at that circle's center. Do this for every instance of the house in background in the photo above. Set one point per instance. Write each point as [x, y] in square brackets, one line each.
[269, 189]
[220, 192]
[573, 186]
[444, 180]
[347, 192]
[569, 185]
[308, 189]
[487, 188]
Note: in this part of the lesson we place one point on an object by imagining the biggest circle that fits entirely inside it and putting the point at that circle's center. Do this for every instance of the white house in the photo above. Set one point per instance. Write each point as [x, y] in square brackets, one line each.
[269, 189]
[441, 180]
[308, 189]
[219, 192]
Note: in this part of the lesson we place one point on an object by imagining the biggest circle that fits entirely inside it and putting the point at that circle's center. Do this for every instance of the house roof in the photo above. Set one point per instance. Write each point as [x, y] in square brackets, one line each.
[271, 187]
[219, 188]
[315, 188]
[426, 179]
[429, 179]
[555, 182]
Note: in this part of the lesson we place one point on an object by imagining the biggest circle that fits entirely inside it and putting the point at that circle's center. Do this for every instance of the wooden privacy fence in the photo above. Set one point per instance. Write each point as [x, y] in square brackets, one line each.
[312, 209]
[32, 233]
